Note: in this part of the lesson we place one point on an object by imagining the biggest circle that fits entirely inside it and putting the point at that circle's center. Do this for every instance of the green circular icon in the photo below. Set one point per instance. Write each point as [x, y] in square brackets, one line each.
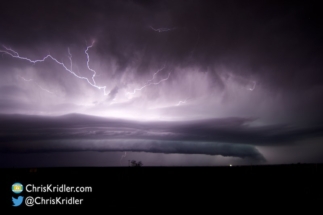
[17, 188]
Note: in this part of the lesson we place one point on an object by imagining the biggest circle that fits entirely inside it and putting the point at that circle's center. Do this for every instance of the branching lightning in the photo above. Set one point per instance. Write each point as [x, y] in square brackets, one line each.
[92, 82]
[155, 74]
[88, 61]
[149, 82]
[15, 54]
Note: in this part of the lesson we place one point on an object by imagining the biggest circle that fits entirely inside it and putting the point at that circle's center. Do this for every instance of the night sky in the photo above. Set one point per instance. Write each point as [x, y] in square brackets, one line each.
[167, 83]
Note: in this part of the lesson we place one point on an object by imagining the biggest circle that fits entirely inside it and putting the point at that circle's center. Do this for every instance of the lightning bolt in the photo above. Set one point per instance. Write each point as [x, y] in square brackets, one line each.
[149, 83]
[251, 88]
[15, 54]
[88, 61]
[139, 89]
[155, 74]
[181, 102]
[70, 57]
[45, 90]
[162, 29]
[24, 78]
[27, 80]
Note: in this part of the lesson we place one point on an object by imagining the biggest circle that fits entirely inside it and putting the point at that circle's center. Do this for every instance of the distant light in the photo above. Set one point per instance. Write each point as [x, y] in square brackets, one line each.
[230, 164]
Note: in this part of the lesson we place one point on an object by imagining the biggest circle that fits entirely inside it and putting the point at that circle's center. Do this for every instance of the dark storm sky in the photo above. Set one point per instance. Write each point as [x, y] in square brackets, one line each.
[214, 51]
[277, 40]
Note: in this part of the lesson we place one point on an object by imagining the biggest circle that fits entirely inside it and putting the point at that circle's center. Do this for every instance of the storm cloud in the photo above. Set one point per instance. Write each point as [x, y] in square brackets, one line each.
[226, 137]
[185, 77]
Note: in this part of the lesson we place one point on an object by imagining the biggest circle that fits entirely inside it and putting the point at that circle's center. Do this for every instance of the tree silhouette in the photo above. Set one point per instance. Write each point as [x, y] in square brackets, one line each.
[136, 164]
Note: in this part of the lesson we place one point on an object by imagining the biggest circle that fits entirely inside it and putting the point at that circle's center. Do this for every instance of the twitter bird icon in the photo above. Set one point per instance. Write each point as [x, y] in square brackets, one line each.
[17, 201]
